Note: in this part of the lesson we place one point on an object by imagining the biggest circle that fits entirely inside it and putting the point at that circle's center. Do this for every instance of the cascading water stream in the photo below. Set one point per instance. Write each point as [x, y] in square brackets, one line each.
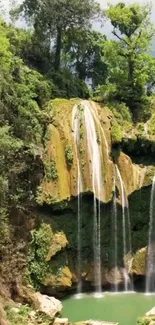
[115, 238]
[127, 247]
[150, 270]
[86, 114]
[95, 158]
[94, 111]
[76, 130]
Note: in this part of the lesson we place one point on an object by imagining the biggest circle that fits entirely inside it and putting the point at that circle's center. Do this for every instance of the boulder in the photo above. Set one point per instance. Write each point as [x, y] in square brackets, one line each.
[151, 312]
[47, 305]
[61, 321]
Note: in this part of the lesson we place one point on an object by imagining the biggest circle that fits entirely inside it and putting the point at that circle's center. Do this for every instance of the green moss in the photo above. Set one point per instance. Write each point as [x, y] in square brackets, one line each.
[40, 242]
[43, 243]
[69, 155]
[116, 133]
[122, 115]
[22, 316]
[151, 126]
[145, 320]
[51, 173]
[140, 128]
[39, 196]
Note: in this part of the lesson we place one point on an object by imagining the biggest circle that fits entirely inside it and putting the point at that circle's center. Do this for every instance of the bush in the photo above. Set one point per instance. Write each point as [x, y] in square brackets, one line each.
[69, 155]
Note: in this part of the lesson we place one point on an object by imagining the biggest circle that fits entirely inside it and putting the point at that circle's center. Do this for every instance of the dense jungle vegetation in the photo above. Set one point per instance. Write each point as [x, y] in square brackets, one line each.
[59, 54]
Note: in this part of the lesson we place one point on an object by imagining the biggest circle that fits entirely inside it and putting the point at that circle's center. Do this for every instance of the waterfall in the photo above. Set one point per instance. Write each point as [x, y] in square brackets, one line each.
[94, 111]
[127, 247]
[115, 238]
[95, 159]
[150, 271]
[86, 115]
[76, 130]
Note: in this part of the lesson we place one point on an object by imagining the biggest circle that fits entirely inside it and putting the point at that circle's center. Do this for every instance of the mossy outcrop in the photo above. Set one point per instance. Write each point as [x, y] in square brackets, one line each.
[58, 191]
[137, 262]
[60, 157]
[53, 224]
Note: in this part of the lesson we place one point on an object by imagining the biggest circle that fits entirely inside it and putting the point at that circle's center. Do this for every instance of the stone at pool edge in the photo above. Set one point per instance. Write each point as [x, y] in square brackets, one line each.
[151, 312]
[50, 306]
[96, 322]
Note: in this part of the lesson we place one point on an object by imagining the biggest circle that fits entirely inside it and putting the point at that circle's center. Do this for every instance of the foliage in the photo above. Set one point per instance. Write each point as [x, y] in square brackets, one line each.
[69, 155]
[122, 115]
[22, 316]
[51, 19]
[12, 255]
[85, 51]
[39, 247]
[145, 320]
[116, 132]
[129, 66]
[50, 170]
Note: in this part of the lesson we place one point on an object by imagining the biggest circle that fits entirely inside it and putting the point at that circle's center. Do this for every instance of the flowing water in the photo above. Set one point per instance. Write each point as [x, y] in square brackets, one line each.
[150, 272]
[117, 307]
[76, 130]
[127, 247]
[87, 114]
[95, 167]
[115, 238]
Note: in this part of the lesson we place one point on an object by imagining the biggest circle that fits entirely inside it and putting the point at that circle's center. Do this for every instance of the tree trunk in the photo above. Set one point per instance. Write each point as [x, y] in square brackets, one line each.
[131, 69]
[58, 49]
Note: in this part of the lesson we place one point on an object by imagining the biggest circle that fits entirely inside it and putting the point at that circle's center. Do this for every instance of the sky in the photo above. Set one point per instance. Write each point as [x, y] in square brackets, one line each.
[104, 3]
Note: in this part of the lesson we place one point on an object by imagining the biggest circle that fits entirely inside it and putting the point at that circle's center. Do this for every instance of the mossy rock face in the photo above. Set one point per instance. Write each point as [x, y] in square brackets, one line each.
[59, 242]
[60, 181]
[46, 255]
[139, 203]
[63, 279]
[59, 187]
[137, 262]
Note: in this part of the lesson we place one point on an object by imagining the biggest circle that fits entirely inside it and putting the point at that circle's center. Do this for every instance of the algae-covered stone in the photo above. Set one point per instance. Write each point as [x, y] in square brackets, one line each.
[138, 262]
[62, 279]
[59, 242]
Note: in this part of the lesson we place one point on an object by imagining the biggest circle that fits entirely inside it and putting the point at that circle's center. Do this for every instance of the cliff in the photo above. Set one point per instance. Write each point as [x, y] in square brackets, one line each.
[89, 150]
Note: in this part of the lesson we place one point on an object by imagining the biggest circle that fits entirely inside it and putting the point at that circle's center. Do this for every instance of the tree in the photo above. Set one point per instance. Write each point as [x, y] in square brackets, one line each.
[128, 63]
[84, 50]
[52, 18]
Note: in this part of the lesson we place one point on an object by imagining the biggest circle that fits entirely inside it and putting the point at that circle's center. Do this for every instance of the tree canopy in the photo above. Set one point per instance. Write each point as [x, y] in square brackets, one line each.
[51, 19]
[131, 69]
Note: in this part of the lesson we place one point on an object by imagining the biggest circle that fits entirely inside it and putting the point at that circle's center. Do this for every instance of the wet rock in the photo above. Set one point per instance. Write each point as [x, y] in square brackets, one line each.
[136, 264]
[63, 280]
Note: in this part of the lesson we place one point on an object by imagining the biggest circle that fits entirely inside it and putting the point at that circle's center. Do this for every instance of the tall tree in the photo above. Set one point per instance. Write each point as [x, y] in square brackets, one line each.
[85, 52]
[127, 55]
[53, 17]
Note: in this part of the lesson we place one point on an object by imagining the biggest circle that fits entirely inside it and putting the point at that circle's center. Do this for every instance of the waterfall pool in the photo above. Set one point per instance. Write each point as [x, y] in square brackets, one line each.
[123, 308]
